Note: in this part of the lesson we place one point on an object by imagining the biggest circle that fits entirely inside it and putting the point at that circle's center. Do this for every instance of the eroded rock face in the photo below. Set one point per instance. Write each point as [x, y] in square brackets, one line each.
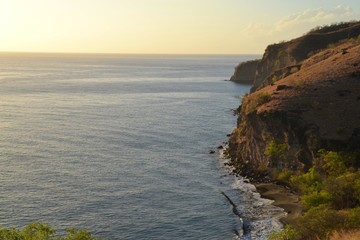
[282, 126]
[258, 130]
[276, 57]
[245, 72]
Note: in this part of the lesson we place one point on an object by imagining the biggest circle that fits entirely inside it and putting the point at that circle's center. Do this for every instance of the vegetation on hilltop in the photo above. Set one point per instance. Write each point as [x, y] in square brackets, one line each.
[290, 53]
[333, 27]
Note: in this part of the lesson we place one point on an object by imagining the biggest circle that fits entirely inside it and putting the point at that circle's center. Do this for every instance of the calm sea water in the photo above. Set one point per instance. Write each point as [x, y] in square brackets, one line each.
[118, 144]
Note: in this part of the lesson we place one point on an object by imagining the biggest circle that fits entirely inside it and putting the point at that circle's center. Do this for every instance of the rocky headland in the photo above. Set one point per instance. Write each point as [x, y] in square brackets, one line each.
[316, 107]
[245, 72]
[305, 99]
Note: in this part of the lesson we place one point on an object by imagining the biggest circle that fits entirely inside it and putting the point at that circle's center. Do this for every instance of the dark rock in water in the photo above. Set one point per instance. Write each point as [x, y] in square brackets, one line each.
[220, 147]
[246, 227]
[211, 151]
[228, 135]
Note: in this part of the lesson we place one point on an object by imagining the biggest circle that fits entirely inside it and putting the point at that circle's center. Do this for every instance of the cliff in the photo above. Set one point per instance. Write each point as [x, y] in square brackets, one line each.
[315, 106]
[279, 59]
[294, 52]
[245, 72]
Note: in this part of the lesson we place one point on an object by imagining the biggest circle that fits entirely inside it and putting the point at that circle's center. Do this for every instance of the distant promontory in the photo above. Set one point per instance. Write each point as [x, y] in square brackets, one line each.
[245, 72]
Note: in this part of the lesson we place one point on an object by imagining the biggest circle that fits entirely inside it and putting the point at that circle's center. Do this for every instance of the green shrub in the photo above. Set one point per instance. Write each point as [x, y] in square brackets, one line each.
[274, 79]
[288, 233]
[331, 181]
[356, 186]
[284, 176]
[353, 220]
[307, 182]
[321, 221]
[274, 149]
[294, 70]
[334, 163]
[299, 82]
[263, 98]
[73, 234]
[330, 192]
[344, 190]
[276, 65]
[316, 198]
[259, 100]
[43, 231]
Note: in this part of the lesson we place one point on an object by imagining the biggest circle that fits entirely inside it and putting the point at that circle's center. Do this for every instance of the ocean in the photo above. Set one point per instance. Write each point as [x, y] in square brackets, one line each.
[119, 145]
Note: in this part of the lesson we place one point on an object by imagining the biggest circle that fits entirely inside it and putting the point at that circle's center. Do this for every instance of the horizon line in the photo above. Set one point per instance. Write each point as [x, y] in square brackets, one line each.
[115, 53]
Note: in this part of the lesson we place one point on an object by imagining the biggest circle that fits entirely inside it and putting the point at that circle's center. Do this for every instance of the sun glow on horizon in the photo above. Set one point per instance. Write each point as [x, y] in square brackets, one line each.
[157, 26]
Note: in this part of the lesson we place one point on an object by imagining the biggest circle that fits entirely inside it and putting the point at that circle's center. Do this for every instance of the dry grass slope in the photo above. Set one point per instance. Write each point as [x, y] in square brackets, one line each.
[353, 235]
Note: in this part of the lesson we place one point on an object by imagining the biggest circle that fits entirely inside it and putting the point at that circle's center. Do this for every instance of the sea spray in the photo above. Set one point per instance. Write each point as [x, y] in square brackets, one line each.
[258, 216]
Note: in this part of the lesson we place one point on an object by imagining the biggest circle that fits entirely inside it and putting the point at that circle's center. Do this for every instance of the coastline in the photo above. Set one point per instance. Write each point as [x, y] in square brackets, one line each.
[249, 203]
[287, 129]
[282, 198]
[280, 195]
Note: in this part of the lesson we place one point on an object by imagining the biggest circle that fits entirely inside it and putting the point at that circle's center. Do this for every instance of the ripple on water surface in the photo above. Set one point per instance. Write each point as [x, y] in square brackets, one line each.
[118, 144]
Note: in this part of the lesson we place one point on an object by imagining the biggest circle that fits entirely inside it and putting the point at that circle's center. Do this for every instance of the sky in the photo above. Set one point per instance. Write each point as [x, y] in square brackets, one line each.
[162, 26]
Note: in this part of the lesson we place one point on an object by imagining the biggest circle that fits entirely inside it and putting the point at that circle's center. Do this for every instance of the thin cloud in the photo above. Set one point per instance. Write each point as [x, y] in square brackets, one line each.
[298, 23]
[314, 17]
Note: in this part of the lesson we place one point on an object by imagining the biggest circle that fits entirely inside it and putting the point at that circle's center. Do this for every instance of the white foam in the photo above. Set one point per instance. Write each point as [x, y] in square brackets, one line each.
[264, 216]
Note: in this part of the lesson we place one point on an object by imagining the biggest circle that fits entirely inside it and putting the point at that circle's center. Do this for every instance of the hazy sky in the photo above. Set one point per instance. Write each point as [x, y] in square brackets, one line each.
[162, 26]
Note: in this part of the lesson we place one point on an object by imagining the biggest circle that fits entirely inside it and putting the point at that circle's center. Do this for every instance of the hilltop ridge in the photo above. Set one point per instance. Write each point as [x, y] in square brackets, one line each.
[278, 59]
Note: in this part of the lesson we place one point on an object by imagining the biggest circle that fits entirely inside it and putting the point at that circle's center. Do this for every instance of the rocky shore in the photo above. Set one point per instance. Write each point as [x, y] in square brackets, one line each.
[283, 198]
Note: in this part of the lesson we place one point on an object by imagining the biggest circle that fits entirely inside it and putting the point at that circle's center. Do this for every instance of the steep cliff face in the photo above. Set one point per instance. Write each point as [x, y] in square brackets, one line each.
[283, 125]
[282, 55]
[276, 57]
[245, 72]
